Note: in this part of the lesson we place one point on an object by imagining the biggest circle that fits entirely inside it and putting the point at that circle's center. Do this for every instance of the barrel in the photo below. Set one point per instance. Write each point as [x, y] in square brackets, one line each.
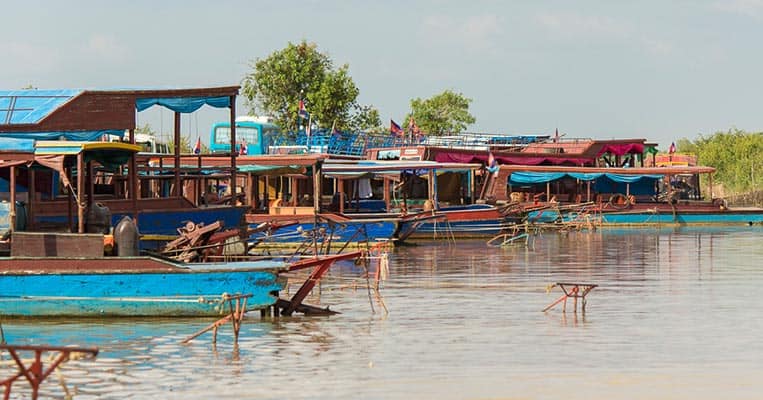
[126, 237]
[98, 219]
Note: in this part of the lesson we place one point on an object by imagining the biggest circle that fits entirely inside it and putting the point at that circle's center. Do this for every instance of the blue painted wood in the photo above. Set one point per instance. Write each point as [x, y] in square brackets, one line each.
[683, 218]
[166, 222]
[375, 231]
[189, 293]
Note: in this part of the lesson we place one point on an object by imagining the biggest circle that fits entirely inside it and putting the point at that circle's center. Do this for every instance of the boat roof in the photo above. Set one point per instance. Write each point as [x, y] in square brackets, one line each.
[360, 167]
[672, 170]
[26, 113]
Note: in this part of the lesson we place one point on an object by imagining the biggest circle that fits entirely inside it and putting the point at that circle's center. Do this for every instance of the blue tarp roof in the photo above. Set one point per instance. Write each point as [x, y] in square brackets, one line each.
[17, 145]
[31, 106]
[78, 136]
[543, 177]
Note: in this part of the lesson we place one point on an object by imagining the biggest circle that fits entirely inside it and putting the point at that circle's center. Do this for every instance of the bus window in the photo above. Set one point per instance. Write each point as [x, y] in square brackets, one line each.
[250, 134]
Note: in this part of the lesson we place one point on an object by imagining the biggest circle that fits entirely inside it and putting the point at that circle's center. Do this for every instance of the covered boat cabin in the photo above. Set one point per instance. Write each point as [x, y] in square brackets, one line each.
[618, 186]
[90, 115]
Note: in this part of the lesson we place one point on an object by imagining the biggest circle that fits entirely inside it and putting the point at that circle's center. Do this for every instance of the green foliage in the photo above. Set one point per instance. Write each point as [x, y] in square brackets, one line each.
[185, 145]
[145, 130]
[300, 72]
[737, 156]
[366, 118]
[445, 113]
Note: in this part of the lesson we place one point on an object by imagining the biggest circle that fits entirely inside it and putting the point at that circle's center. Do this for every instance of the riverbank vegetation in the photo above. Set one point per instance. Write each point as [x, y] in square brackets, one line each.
[737, 156]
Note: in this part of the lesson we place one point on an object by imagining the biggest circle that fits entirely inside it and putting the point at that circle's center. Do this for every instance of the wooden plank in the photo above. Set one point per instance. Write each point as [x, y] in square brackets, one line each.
[39, 244]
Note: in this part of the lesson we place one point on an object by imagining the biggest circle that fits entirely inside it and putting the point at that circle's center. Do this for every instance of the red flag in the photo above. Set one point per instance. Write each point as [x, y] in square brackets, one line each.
[672, 148]
[395, 128]
[197, 146]
[302, 110]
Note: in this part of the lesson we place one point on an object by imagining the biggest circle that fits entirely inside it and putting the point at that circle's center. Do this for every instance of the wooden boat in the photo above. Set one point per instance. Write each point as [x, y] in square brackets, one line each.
[130, 287]
[159, 198]
[66, 275]
[667, 195]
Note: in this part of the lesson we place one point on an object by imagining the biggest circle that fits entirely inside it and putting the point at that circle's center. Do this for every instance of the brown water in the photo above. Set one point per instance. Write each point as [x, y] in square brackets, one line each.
[676, 316]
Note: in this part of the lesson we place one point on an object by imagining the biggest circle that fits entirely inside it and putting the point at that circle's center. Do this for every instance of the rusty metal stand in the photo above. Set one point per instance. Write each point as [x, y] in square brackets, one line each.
[236, 311]
[321, 266]
[573, 290]
[35, 373]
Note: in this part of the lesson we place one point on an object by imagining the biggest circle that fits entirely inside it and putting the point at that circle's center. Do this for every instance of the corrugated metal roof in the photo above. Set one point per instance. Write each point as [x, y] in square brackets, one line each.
[31, 106]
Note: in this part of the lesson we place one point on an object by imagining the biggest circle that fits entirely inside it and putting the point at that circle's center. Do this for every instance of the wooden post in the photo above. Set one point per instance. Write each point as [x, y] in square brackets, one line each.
[90, 185]
[295, 190]
[317, 177]
[80, 186]
[430, 187]
[32, 207]
[266, 193]
[435, 198]
[387, 199]
[177, 192]
[69, 197]
[12, 211]
[132, 178]
[548, 191]
[248, 190]
[198, 181]
[472, 185]
[233, 152]
[341, 195]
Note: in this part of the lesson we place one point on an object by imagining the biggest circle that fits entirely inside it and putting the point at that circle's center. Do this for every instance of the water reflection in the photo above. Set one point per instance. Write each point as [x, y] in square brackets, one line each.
[465, 321]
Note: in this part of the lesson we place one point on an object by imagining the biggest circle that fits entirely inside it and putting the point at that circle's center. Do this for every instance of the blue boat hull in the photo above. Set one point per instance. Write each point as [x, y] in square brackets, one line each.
[728, 217]
[166, 222]
[169, 293]
[350, 231]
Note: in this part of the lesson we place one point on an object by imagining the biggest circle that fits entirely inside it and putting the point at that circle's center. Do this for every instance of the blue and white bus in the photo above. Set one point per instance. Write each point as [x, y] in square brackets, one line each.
[257, 133]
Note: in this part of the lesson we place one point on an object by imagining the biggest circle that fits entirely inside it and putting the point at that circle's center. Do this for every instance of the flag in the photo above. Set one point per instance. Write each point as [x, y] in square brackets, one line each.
[490, 160]
[302, 110]
[197, 146]
[492, 164]
[413, 128]
[395, 128]
[243, 150]
[672, 148]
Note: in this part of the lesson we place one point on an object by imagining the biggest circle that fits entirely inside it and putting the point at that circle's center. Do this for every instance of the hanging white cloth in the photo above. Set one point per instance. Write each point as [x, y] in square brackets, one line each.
[364, 188]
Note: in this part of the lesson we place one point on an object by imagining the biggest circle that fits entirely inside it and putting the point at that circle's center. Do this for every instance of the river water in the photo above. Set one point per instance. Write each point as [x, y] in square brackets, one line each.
[676, 315]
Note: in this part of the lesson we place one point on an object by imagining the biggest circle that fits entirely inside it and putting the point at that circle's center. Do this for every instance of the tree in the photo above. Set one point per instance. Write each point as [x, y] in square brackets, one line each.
[445, 113]
[300, 72]
[366, 118]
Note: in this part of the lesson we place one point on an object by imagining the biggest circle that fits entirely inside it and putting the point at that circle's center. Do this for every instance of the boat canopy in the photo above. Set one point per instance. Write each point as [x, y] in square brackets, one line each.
[183, 104]
[272, 170]
[527, 177]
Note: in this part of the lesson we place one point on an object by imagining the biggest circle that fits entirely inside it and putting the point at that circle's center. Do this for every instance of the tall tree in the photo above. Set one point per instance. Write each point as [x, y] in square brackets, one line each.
[445, 113]
[300, 72]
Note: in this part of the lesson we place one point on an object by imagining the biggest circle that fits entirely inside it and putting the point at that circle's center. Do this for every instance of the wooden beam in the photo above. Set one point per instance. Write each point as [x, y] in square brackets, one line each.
[12, 211]
[80, 186]
[177, 192]
[233, 152]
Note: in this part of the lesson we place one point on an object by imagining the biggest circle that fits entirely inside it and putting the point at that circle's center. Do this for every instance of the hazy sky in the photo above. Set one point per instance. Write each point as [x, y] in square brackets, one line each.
[659, 70]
